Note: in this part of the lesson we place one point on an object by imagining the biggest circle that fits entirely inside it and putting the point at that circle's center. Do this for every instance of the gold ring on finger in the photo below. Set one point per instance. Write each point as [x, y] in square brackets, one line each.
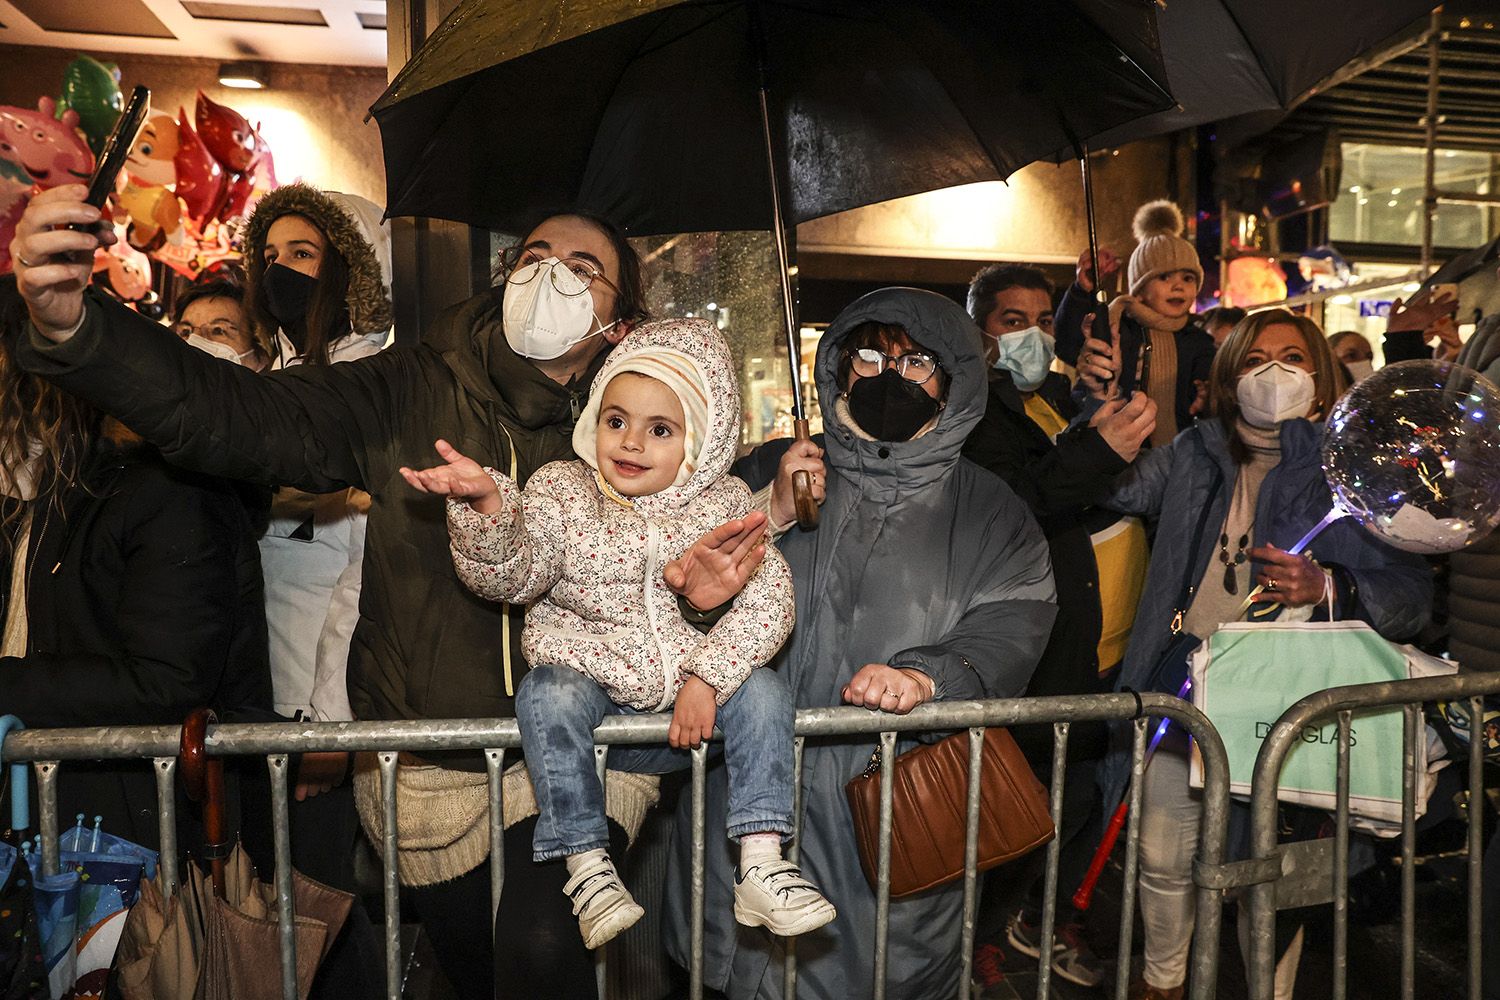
[24, 262]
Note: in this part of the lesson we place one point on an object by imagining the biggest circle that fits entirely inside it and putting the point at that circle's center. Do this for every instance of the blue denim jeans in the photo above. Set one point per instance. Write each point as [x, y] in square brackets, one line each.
[558, 709]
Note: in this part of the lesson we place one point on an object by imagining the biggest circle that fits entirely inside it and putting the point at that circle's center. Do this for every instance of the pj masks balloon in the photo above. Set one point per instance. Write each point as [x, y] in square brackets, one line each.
[227, 135]
[151, 158]
[50, 151]
[93, 90]
[200, 179]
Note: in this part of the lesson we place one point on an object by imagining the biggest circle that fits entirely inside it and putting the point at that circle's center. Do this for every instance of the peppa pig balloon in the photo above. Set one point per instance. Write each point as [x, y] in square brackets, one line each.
[15, 192]
[52, 152]
[200, 179]
[92, 89]
[227, 135]
[151, 158]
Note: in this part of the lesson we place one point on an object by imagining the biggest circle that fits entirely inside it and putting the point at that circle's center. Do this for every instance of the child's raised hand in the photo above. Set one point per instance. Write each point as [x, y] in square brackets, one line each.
[460, 477]
[693, 715]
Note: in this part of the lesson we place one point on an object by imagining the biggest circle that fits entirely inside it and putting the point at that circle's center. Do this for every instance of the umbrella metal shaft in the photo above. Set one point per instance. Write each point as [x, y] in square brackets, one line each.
[783, 260]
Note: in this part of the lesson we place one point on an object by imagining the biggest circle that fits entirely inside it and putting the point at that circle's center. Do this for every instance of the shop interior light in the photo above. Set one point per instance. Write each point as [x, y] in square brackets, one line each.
[1341, 300]
[243, 75]
[1412, 286]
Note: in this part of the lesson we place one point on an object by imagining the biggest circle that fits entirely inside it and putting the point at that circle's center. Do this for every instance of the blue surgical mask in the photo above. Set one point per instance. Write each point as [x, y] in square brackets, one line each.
[1027, 355]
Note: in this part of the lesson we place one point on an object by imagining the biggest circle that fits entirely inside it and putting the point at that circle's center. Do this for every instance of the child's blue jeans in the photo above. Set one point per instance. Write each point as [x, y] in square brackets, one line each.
[558, 709]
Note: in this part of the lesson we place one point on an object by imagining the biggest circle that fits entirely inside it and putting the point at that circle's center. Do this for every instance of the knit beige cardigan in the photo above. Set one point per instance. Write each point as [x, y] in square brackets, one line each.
[442, 815]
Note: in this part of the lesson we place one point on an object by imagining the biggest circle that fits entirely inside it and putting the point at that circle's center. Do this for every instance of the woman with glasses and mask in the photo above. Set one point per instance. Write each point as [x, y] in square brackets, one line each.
[927, 579]
[502, 377]
[210, 315]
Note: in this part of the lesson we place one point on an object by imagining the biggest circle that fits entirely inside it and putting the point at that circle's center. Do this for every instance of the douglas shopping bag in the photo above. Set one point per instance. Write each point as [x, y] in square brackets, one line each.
[1247, 674]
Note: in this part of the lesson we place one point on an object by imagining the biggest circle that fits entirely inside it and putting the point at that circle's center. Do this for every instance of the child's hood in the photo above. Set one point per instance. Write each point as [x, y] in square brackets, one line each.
[697, 349]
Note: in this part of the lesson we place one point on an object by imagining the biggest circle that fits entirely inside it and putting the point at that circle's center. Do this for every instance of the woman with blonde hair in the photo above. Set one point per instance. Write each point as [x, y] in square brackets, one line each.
[1227, 497]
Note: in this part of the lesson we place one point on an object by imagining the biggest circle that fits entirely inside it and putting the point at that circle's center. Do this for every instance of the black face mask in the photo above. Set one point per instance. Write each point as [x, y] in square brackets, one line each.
[889, 408]
[288, 294]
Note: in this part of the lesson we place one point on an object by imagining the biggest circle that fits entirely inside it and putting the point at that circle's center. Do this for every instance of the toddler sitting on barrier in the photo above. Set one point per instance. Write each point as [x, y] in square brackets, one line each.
[585, 544]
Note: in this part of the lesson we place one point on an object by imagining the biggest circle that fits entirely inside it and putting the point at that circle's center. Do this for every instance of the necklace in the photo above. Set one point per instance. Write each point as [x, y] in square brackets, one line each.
[1232, 562]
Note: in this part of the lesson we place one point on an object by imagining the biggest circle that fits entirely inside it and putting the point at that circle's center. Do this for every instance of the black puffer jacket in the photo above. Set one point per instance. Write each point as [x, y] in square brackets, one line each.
[425, 647]
[144, 601]
[1061, 482]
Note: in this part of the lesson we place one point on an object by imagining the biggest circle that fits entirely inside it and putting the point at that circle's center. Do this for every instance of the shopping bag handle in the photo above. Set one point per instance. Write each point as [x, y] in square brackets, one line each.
[20, 787]
[203, 780]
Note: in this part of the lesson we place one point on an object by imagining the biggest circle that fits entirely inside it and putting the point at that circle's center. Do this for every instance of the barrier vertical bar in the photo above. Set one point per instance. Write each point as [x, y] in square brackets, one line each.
[1341, 863]
[601, 954]
[1211, 850]
[1476, 844]
[389, 877]
[699, 755]
[971, 864]
[286, 915]
[166, 817]
[46, 813]
[883, 876]
[1054, 858]
[794, 854]
[1132, 855]
[494, 765]
[1409, 728]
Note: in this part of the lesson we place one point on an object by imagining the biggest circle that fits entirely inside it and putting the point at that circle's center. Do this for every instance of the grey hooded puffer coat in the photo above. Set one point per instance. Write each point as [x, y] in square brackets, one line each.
[922, 559]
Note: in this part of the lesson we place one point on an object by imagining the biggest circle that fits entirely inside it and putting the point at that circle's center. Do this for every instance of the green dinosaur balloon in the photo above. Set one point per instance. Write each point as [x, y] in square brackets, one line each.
[92, 89]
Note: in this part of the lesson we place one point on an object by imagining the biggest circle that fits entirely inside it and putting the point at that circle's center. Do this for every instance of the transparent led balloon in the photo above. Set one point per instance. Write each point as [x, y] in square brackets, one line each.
[1413, 452]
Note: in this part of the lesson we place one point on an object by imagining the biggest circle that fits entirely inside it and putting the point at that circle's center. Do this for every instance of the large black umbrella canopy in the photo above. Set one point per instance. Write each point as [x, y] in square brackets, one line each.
[1226, 58]
[647, 111]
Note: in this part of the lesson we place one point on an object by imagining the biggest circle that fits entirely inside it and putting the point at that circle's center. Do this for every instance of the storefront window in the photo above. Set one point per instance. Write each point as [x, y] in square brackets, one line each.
[1382, 191]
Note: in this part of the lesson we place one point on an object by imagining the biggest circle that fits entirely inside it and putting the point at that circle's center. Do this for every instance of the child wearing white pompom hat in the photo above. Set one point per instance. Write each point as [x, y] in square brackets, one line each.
[1160, 349]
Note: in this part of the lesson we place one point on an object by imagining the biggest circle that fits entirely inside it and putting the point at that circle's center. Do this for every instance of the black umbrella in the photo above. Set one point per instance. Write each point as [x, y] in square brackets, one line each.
[690, 115]
[1227, 58]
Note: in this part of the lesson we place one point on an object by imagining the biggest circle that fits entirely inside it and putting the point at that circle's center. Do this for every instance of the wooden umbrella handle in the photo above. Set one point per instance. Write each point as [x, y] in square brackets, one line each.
[802, 496]
[203, 780]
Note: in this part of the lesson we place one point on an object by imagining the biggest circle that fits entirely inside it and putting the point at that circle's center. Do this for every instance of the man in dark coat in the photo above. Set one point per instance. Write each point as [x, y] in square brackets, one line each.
[1061, 472]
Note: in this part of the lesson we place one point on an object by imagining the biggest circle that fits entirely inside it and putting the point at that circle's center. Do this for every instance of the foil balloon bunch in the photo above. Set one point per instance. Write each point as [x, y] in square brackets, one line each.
[188, 183]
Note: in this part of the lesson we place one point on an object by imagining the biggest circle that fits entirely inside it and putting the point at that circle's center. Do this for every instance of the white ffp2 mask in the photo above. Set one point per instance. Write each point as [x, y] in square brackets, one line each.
[217, 350]
[548, 312]
[1273, 392]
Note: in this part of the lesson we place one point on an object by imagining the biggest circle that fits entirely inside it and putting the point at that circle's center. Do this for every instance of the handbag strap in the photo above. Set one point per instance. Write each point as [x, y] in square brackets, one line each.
[1189, 577]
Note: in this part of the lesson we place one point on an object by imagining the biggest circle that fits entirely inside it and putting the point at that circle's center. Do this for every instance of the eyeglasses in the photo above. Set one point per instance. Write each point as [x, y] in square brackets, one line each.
[515, 261]
[213, 331]
[915, 368]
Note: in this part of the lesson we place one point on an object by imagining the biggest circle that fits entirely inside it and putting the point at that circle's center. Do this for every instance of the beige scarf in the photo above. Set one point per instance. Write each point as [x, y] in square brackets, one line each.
[1161, 341]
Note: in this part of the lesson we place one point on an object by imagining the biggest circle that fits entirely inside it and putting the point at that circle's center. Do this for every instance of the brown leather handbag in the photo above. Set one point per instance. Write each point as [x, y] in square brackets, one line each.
[929, 811]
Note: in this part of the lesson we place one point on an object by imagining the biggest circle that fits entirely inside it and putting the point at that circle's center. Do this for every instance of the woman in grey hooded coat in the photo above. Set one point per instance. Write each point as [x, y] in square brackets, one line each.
[923, 561]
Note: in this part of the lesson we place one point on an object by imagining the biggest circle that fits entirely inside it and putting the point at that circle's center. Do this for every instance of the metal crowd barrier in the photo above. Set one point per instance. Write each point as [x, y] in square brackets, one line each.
[1269, 858]
[47, 749]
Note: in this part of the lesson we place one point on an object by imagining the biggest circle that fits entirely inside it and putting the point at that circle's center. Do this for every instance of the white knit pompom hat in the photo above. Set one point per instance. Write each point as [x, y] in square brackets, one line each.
[1158, 228]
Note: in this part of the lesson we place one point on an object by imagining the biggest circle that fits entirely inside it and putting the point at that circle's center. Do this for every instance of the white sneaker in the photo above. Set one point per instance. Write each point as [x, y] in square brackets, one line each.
[602, 904]
[774, 895]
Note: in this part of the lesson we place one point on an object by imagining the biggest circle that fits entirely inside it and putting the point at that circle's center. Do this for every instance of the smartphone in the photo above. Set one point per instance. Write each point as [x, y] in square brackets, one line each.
[117, 146]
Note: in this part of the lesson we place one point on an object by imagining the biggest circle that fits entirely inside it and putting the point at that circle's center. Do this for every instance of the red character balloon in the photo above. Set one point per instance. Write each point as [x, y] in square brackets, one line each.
[227, 135]
[200, 179]
[52, 152]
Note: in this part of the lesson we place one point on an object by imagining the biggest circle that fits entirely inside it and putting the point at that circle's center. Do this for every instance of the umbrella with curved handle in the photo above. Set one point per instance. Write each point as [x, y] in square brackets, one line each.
[203, 779]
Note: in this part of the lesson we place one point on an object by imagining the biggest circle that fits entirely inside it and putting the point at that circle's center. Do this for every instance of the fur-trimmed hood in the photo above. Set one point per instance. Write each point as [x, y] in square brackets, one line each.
[353, 225]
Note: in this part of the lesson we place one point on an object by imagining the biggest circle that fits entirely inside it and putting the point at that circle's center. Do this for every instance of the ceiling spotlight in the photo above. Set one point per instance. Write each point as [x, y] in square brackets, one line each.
[243, 75]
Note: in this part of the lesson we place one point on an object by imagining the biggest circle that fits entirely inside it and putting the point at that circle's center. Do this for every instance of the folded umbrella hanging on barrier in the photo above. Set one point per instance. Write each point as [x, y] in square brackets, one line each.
[23, 974]
[217, 937]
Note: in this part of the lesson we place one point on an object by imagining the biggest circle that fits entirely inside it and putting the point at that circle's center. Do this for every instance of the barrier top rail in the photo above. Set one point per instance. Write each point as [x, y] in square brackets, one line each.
[418, 735]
